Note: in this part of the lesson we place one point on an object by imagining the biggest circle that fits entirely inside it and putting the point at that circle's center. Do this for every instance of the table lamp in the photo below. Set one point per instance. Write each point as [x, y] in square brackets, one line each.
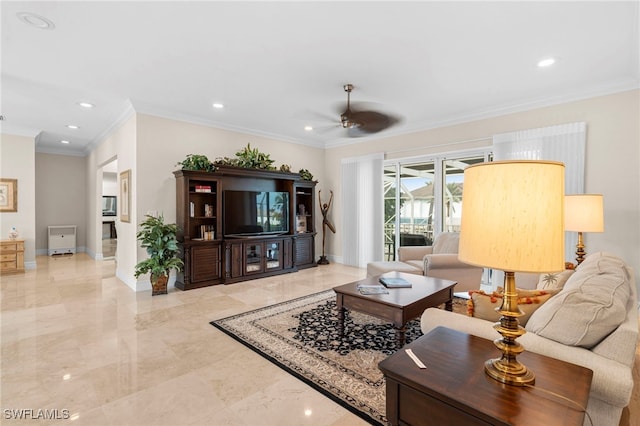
[513, 220]
[583, 213]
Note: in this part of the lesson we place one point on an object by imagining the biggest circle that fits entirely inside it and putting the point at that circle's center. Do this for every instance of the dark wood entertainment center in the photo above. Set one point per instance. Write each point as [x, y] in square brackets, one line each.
[211, 258]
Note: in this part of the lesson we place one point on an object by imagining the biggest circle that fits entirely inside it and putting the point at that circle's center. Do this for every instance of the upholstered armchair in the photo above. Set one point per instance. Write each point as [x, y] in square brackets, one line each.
[441, 261]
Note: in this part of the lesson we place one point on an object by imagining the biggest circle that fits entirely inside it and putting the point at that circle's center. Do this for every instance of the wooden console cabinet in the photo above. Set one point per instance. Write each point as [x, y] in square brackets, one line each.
[257, 257]
[11, 256]
[211, 258]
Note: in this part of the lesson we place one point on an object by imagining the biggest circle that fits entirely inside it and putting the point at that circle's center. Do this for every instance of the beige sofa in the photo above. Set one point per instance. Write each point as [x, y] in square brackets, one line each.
[439, 260]
[592, 322]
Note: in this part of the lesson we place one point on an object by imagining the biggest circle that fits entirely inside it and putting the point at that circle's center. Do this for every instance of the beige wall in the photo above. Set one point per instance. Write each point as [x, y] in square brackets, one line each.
[110, 184]
[17, 161]
[612, 160]
[60, 190]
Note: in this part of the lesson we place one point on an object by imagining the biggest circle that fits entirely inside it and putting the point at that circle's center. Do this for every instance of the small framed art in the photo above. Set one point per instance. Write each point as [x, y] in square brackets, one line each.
[8, 195]
[125, 196]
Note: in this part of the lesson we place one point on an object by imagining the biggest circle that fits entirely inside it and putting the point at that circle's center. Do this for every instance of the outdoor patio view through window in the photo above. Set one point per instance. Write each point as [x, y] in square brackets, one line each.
[422, 199]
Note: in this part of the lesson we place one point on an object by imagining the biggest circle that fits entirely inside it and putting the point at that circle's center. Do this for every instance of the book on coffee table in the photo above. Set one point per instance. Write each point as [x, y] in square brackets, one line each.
[372, 289]
[394, 282]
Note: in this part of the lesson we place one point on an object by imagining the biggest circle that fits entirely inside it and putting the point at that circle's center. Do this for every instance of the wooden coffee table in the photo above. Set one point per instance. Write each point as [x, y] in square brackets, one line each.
[400, 305]
[455, 390]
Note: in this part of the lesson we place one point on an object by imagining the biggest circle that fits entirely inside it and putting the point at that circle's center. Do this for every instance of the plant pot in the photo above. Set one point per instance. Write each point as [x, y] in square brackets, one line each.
[159, 285]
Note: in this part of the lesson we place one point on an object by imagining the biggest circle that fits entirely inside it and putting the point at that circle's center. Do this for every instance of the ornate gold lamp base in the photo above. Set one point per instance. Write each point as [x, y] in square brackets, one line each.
[580, 253]
[507, 369]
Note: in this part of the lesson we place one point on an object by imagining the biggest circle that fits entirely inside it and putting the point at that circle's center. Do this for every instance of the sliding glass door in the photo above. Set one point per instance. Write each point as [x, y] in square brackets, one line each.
[423, 198]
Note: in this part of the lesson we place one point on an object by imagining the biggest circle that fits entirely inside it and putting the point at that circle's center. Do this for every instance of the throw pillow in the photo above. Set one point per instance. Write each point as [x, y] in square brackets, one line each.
[483, 305]
[591, 305]
[554, 280]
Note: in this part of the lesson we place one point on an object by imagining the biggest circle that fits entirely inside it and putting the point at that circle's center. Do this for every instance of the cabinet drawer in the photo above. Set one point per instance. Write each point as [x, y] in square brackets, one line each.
[8, 266]
[8, 257]
[11, 247]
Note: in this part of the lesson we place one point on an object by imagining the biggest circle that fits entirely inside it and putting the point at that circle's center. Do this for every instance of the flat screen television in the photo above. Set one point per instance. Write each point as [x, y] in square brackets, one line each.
[251, 213]
[109, 205]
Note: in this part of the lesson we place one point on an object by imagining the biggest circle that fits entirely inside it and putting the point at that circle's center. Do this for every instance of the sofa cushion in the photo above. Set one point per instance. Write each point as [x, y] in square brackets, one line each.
[554, 280]
[483, 305]
[447, 242]
[591, 305]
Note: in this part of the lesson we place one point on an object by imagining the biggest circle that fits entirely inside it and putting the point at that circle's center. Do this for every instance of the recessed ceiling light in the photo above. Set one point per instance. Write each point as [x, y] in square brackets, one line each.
[547, 62]
[308, 128]
[72, 126]
[217, 105]
[86, 105]
[35, 20]
[65, 142]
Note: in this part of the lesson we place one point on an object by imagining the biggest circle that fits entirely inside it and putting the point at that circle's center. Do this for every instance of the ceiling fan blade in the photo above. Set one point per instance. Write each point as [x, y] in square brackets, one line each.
[372, 121]
[361, 119]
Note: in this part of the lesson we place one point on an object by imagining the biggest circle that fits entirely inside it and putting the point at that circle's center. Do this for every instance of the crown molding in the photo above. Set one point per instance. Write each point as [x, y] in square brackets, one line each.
[620, 87]
[147, 109]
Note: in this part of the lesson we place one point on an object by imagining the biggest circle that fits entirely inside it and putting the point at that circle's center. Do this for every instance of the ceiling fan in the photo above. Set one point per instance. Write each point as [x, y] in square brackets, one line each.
[362, 122]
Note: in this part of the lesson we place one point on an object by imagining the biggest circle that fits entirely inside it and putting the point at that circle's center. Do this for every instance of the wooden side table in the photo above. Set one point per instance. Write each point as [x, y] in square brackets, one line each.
[11, 256]
[454, 389]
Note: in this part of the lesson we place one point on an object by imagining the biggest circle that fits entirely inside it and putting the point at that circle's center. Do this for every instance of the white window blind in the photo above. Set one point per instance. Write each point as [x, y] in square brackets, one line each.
[565, 143]
[362, 210]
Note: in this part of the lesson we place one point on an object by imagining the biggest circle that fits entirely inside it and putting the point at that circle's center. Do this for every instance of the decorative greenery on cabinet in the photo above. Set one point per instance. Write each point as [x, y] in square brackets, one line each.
[197, 162]
[246, 158]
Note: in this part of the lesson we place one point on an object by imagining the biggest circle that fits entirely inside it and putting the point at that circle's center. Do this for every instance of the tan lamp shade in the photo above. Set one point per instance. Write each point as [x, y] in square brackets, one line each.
[513, 216]
[584, 213]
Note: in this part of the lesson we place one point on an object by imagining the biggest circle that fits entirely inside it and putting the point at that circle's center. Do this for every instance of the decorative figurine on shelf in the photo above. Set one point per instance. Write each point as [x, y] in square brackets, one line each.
[13, 234]
[324, 208]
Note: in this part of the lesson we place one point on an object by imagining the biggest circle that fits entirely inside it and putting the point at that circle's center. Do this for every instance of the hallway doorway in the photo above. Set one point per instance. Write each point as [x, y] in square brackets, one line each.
[109, 209]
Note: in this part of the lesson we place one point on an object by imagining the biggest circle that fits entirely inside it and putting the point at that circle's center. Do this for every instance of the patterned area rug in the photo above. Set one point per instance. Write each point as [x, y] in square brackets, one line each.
[302, 337]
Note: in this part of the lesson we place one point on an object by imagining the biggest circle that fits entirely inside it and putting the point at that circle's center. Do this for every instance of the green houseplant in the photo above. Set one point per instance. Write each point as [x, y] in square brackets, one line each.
[159, 239]
[248, 158]
[197, 162]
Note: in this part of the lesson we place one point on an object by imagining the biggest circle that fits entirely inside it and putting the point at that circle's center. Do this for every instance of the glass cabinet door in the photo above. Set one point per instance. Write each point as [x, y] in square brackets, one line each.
[273, 255]
[253, 258]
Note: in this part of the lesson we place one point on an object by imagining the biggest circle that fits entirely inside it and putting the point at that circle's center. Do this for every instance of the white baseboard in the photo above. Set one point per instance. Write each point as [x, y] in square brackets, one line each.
[45, 252]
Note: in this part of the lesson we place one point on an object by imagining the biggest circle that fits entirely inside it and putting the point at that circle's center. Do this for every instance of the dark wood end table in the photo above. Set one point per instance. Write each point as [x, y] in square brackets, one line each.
[454, 389]
[400, 305]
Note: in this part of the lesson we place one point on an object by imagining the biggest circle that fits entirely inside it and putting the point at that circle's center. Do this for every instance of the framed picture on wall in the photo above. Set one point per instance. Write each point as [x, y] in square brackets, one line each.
[125, 196]
[8, 195]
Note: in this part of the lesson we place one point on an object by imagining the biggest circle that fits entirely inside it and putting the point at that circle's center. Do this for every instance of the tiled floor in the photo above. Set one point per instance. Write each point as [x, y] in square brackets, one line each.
[75, 338]
[109, 246]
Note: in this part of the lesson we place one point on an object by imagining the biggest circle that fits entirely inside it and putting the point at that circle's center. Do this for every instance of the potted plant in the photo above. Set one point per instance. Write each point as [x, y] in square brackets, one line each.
[159, 239]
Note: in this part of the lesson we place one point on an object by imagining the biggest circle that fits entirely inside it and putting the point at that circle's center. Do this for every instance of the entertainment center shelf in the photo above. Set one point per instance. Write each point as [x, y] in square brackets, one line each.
[237, 224]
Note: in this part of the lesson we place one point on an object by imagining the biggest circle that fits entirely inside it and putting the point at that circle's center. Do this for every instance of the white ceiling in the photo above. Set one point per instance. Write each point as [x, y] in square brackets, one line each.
[278, 66]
